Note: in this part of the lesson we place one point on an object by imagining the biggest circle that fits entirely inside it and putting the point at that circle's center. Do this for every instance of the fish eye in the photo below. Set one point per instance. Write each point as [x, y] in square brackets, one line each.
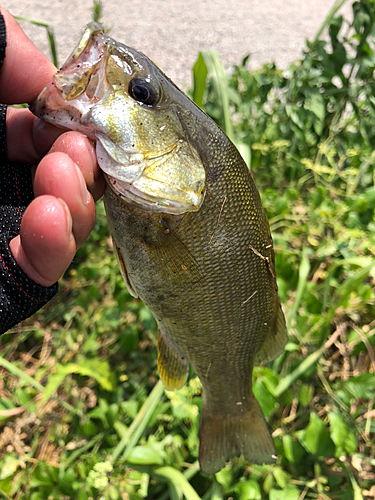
[144, 91]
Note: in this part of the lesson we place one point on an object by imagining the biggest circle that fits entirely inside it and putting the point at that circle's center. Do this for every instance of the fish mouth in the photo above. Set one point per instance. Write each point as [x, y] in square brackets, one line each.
[78, 85]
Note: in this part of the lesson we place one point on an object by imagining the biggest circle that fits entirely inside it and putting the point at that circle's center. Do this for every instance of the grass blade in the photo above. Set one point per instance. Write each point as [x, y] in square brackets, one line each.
[220, 84]
[304, 270]
[97, 11]
[199, 80]
[14, 370]
[139, 424]
[50, 35]
[287, 381]
[348, 284]
[73, 456]
[189, 473]
[331, 14]
[4, 496]
[179, 482]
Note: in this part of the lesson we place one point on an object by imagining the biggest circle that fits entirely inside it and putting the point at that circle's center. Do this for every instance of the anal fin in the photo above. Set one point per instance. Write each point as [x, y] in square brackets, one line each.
[173, 368]
[275, 341]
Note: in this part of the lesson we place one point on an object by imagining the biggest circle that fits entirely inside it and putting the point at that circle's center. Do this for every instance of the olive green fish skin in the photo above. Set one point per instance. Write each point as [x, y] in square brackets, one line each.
[219, 309]
[189, 231]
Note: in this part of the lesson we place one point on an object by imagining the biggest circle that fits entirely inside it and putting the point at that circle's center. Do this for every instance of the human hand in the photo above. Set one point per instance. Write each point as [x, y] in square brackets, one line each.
[67, 179]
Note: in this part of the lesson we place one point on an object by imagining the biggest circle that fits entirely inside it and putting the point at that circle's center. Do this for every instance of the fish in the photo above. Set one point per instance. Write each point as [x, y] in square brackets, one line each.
[189, 232]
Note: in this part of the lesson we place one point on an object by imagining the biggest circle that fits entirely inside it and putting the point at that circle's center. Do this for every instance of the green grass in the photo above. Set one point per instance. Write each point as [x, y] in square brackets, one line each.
[82, 414]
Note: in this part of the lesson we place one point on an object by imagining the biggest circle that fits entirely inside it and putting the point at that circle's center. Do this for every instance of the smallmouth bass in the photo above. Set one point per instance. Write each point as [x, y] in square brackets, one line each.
[189, 232]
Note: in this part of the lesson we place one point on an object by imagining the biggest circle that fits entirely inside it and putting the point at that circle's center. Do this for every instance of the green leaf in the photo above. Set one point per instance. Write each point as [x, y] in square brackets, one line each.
[224, 476]
[97, 369]
[249, 489]
[316, 439]
[360, 387]
[281, 477]
[144, 455]
[9, 466]
[130, 407]
[294, 452]
[342, 434]
[289, 493]
[315, 103]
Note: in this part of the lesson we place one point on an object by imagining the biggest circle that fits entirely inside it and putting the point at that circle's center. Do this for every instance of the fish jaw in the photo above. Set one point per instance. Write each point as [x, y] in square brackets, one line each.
[68, 99]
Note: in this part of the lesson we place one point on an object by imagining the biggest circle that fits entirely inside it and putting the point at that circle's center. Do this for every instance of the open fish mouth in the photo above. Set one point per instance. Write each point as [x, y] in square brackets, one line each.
[78, 86]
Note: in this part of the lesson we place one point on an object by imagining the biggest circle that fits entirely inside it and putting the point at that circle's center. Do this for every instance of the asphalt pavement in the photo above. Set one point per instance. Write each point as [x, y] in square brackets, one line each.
[172, 32]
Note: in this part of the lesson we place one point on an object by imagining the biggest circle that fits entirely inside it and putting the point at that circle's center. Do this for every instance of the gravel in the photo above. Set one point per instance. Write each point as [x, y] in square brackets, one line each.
[172, 32]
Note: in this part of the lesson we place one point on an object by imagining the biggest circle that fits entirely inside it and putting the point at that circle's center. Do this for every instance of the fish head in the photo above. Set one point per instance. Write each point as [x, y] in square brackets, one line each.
[121, 100]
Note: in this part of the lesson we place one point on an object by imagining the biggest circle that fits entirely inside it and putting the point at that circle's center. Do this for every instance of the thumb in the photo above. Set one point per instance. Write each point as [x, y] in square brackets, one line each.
[25, 70]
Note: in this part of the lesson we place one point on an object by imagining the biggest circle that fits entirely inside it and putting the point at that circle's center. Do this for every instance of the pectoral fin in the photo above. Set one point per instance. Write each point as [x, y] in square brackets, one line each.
[173, 368]
[178, 262]
[121, 265]
[275, 341]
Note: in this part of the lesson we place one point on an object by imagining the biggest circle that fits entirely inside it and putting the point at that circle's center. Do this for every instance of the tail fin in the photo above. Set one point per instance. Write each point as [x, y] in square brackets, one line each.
[223, 438]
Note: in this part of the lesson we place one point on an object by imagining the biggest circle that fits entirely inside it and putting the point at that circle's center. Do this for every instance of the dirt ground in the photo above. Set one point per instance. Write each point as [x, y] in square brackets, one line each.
[172, 32]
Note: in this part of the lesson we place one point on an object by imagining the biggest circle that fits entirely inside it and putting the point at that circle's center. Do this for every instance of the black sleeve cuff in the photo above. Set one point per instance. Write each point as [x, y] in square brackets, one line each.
[20, 297]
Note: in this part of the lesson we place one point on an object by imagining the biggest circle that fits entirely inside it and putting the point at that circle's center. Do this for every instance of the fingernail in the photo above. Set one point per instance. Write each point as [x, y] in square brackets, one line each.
[69, 222]
[85, 195]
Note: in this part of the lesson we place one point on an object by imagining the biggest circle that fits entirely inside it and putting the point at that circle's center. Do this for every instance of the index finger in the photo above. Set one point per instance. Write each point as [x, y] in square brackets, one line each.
[25, 70]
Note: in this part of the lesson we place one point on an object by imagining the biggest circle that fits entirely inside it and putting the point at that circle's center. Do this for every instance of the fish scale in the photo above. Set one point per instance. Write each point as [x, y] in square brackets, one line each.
[189, 231]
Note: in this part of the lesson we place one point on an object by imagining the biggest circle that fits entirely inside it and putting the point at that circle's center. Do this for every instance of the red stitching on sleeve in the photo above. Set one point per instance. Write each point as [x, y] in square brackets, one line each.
[19, 286]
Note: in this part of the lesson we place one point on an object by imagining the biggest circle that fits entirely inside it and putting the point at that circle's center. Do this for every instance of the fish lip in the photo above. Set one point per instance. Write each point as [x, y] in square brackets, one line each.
[67, 118]
[64, 110]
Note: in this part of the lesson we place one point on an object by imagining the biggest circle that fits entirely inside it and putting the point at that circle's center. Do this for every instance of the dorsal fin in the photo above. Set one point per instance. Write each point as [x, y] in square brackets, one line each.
[275, 340]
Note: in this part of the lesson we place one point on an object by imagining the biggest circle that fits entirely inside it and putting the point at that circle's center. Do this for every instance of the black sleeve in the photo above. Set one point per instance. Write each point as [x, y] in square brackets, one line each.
[20, 297]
